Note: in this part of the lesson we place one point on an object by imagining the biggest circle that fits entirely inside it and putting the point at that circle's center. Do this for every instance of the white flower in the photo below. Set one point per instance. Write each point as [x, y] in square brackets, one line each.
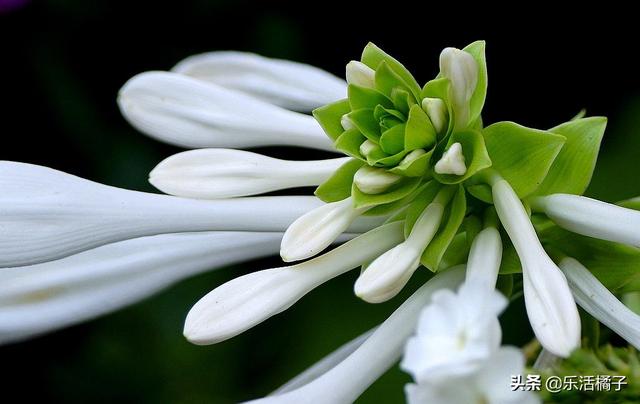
[43, 297]
[248, 300]
[360, 74]
[490, 385]
[225, 173]
[452, 161]
[461, 68]
[46, 214]
[596, 299]
[291, 85]
[552, 311]
[591, 217]
[317, 229]
[388, 274]
[456, 334]
[347, 380]
[187, 112]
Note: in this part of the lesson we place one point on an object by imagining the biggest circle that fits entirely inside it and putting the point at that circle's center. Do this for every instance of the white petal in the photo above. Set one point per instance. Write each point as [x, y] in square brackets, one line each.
[246, 301]
[324, 365]
[317, 229]
[224, 173]
[552, 311]
[192, 113]
[591, 217]
[461, 68]
[484, 259]
[291, 85]
[351, 377]
[40, 298]
[494, 380]
[388, 274]
[596, 299]
[360, 74]
[46, 214]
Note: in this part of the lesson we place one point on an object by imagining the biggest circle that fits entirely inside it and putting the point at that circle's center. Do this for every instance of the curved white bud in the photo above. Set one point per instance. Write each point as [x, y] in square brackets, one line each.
[596, 300]
[367, 147]
[46, 214]
[246, 301]
[225, 173]
[452, 161]
[44, 297]
[374, 180]
[388, 274]
[591, 217]
[192, 113]
[552, 311]
[437, 112]
[316, 230]
[360, 74]
[291, 85]
[346, 381]
[462, 69]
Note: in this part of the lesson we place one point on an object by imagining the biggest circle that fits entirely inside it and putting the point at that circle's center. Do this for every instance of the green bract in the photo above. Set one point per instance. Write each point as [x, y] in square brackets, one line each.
[398, 130]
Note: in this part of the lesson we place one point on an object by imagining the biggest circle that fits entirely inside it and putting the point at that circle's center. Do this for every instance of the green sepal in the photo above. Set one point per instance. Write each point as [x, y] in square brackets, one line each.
[426, 195]
[416, 168]
[572, 169]
[329, 117]
[477, 50]
[398, 191]
[338, 186]
[363, 97]
[420, 133]
[522, 156]
[386, 80]
[366, 123]
[373, 56]
[349, 143]
[475, 155]
[392, 140]
[432, 255]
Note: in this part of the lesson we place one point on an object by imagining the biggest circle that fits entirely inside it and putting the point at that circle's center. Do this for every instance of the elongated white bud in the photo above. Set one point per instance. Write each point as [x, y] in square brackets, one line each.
[596, 299]
[552, 311]
[225, 173]
[360, 74]
[484, 259]
[248, 300]
[373, 180]
[388, 274]
[316, 230]
[452, 161]
[461, 68]
[437, 112]
[591, 217]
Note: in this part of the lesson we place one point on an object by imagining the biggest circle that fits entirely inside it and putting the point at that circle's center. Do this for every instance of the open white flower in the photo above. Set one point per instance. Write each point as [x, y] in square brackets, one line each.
[550, 306]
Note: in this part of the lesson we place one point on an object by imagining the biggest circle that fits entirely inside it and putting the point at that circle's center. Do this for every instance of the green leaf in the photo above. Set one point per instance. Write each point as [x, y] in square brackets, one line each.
[398, 191]
[522, 156]
[616, 265]
[381, 159]
[571, 171]
[427, 194]
[368, 98]
[329, 117]
[338, 186]
[475, 154]
[397, 205]
[392, 140]
[373, 56]
[366, 123]
[402, 100]
[418, 167]
[386, 80]
[510, 263]
[456, 253]
[349, 143]
[477, 50]
[432, 255]
[633, 203]
[420, 134]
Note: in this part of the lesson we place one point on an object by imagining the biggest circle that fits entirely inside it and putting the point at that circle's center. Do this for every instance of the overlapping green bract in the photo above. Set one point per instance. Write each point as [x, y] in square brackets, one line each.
[388, 125]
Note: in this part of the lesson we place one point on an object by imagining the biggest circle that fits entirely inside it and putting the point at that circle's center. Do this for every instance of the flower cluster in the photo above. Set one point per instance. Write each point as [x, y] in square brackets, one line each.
[424, 183]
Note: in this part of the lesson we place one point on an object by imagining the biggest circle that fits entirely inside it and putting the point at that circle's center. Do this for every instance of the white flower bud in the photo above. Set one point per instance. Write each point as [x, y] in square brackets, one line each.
[372, 180]
[367, 147]
[360, 74]
[437, 112]
[461, 68]
[452, 161]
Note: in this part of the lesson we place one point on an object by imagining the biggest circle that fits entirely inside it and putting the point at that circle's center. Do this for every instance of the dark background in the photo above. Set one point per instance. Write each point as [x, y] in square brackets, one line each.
[63, 62]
